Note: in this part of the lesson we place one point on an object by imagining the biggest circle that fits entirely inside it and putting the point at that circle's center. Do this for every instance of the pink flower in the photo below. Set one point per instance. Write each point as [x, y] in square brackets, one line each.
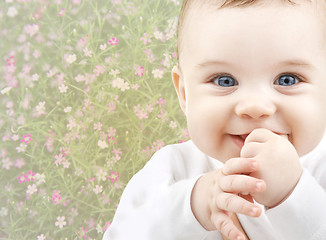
[59, 159]
[91, 180]
[111, 106]
[11, 61]
[161, 102]
[26, 138]
[135, 86]
[20, 162]
[117, 152]
[99, 69]
[26, 178]
[107, 225]
[139, 70]
[56, 197]
[157, 145]
[31, 30]
[146, 38]
[113, 41]
[114, 176]
[112, 131]
[111, 135]
[62, 11]
[141, 114]
[97, 126]
[82, 232]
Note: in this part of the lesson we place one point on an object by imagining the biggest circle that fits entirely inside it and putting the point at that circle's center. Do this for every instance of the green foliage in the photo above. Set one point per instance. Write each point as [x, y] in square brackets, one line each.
[86, 99]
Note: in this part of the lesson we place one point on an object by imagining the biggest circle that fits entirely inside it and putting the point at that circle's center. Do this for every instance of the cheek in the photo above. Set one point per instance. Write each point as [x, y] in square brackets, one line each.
[207, 125]
[308, 127]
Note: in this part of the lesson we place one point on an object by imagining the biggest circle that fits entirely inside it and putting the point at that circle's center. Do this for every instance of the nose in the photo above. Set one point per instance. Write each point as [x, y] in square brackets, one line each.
[255, 107]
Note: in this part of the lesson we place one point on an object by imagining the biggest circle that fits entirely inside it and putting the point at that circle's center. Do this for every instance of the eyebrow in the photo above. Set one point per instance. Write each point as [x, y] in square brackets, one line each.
[291, 63]
[207, 63]
[296, 63]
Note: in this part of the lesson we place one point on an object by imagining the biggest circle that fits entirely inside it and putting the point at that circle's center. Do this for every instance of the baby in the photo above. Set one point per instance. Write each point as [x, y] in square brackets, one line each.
[251, 81]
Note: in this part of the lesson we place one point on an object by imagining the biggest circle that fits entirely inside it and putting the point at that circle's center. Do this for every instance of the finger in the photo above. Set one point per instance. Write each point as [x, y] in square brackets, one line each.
[225, 225]
[247, 197]
[241, 184]
[240, 166]
[233, 203]
[250, 150]
[259, 135]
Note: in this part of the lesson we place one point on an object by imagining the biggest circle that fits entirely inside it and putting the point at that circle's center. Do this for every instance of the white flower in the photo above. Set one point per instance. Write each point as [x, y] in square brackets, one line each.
[41, 237]
[4, 211]
[39, 109]
[99, 229]
[31, 189]
[60, 222]
[166, 61]
[158, 73]
[70, 58]
[5, 90]
[40, 178]
[35, 77]
[21, 148]
[72, 123]
[114, 72]
[63, 88]
[158, 35]
[12, 12]
[103, 46]
[102, 144]
[87, 53]
[173, 124]
[121, 84]
[21, 120]
[176, 2]
[6, 163]
[67, 109]
[101, 174]
[98, 189]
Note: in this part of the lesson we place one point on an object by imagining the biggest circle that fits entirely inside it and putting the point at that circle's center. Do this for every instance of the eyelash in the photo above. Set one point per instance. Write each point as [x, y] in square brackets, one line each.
[217, 76]
[295, 76]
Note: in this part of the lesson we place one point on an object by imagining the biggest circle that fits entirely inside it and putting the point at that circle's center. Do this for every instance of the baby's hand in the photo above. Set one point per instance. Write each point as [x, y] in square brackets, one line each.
[279, 165]
[215, 196]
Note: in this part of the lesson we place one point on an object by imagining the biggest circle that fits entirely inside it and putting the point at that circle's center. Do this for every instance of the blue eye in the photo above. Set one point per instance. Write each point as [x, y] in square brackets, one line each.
[225, 81]
[286, 80]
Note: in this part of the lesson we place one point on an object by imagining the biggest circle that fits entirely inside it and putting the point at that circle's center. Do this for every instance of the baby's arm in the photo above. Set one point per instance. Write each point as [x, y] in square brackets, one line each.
[215, 196]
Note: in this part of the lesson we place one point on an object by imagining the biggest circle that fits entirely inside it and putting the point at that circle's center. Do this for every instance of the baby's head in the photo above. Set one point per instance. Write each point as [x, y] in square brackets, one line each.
[250, 64]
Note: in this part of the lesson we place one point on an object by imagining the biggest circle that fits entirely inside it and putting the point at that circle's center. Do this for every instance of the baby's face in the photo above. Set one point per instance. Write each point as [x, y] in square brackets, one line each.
[254, 67]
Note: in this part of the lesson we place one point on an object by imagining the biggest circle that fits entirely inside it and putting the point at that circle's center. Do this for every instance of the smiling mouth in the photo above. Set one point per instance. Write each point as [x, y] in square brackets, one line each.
[243, 136]
[239, 140]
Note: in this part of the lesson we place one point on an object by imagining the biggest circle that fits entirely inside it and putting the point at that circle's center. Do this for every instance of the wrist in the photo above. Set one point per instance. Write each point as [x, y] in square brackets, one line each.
[286, 195]
[200, 203]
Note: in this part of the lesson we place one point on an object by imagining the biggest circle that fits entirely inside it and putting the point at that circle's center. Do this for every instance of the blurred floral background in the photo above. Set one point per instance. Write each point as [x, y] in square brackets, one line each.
[86, 98]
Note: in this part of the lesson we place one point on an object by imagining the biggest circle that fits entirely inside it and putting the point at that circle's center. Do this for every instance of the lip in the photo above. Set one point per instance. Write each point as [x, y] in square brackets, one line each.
[239, 139]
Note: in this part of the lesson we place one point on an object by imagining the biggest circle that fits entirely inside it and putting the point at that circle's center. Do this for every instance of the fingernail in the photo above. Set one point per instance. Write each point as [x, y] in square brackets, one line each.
[259, 185]
[254, 164]
[254, 211]
[239, 238]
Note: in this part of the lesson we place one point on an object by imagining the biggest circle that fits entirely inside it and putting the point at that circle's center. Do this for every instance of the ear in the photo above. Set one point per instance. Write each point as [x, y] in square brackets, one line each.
[179, 87]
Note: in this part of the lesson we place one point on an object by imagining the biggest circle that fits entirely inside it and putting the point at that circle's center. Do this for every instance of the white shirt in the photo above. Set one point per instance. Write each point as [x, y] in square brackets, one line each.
[156, 202]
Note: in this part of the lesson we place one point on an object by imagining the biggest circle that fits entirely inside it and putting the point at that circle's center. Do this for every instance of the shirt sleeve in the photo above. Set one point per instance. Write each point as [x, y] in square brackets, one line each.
[303, 214]
[156, 204]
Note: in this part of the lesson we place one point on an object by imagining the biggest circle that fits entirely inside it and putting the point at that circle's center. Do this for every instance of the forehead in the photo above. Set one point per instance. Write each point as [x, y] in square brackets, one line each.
[205, 22]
